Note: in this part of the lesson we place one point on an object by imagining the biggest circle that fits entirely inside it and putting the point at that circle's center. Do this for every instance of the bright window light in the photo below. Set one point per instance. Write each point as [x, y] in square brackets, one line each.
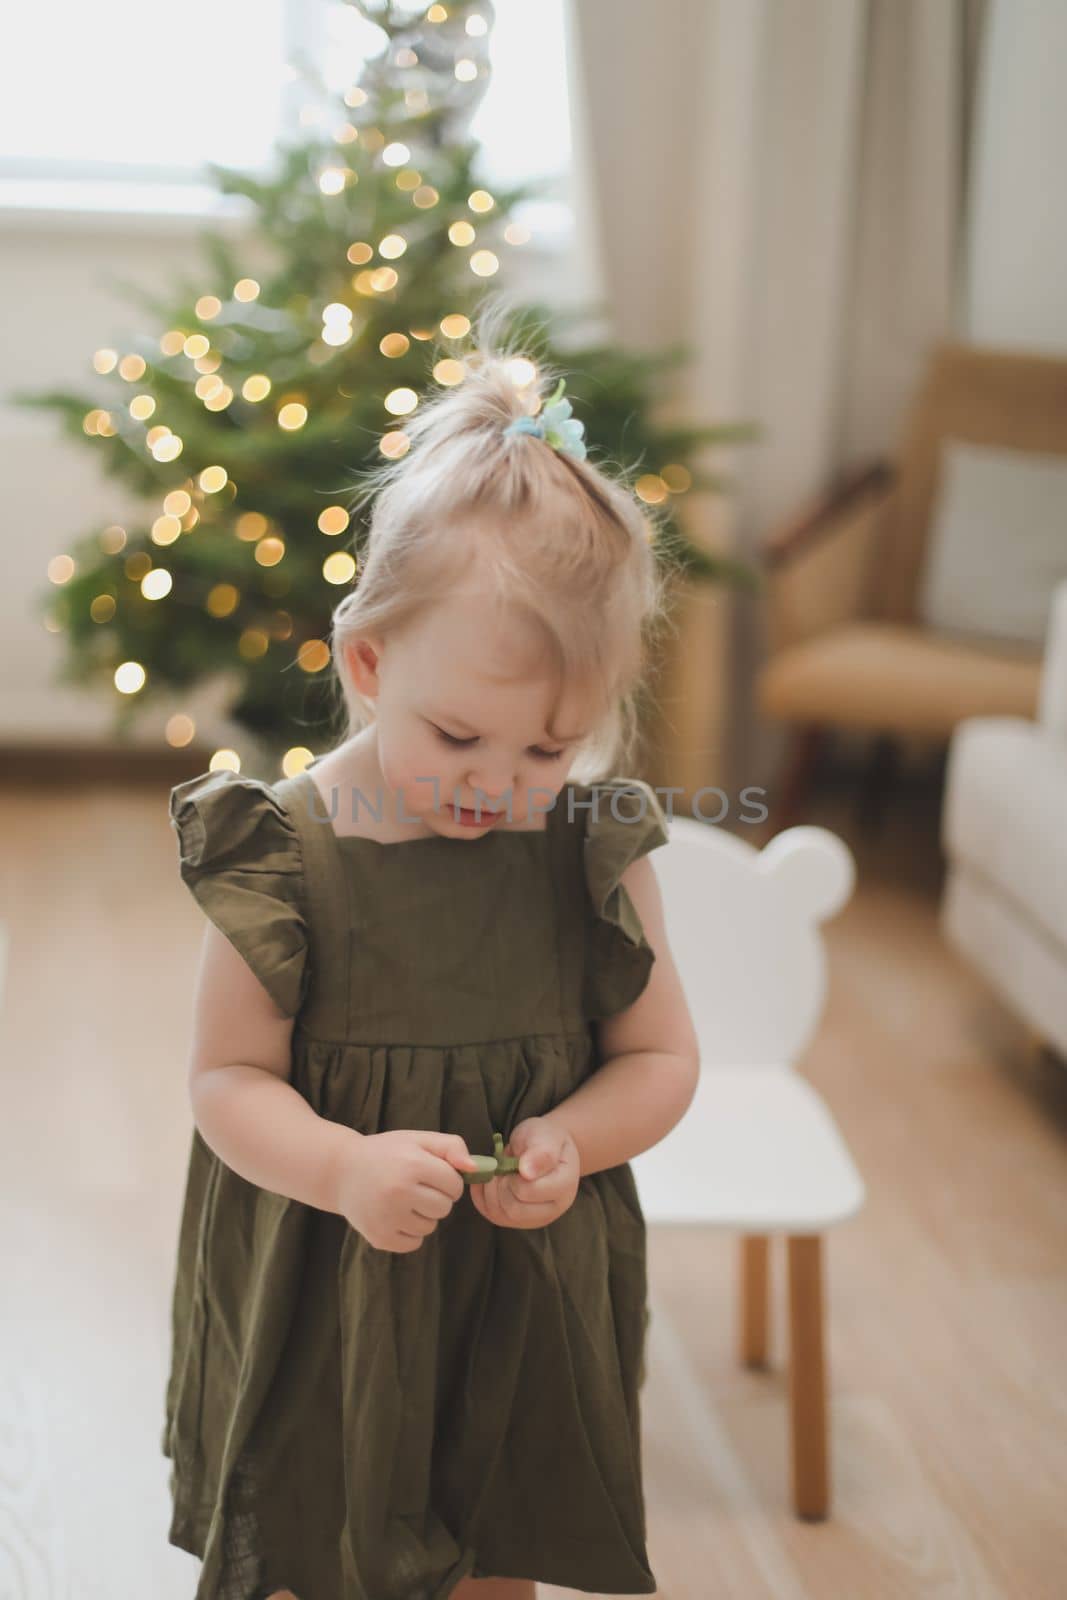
[523, 123]
[124, 85]
[106, 91]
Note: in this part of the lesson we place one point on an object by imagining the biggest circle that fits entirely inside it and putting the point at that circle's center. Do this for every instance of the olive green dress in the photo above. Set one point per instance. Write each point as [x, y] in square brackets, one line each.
[352, 1423]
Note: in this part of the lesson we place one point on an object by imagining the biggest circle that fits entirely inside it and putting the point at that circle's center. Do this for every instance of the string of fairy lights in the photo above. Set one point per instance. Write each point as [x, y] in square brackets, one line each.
[184, 508]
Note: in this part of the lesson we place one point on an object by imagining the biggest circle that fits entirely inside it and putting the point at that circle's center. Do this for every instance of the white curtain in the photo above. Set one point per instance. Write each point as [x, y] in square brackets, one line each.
[783, 186]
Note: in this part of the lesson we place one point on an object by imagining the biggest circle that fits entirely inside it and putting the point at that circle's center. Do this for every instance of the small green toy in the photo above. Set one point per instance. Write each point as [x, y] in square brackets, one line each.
[493, 1166]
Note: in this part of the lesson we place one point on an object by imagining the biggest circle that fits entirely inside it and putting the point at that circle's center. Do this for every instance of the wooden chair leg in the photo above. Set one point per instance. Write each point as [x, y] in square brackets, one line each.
[806, 746]
[877, 781]
[807, 1378]
[753, 1300]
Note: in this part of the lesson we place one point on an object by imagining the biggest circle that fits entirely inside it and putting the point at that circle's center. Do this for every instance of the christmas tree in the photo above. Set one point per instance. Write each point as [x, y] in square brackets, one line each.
[243, 424]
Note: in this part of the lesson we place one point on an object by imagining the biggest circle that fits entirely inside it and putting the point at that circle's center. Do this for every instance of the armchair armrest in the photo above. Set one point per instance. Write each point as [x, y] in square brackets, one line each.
[1052, 700]
[819, 565]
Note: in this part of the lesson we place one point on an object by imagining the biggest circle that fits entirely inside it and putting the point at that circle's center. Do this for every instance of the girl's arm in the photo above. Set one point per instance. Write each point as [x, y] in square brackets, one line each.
[243, 1104]
[649, 1051]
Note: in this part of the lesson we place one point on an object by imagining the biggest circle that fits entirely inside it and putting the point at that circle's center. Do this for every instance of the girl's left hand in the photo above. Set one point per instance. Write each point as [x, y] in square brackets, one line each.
[544, 1186]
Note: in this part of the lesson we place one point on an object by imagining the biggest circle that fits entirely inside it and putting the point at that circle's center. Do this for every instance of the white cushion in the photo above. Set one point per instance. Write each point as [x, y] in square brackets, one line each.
[1002, 818]
[997, 544]
[1013, 953]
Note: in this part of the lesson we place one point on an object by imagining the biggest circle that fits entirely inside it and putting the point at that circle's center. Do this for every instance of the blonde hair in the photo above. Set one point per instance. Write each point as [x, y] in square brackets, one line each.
[565, 545]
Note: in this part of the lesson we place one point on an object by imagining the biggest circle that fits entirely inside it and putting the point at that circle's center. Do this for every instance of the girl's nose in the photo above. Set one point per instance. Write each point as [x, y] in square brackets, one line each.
[493, 787]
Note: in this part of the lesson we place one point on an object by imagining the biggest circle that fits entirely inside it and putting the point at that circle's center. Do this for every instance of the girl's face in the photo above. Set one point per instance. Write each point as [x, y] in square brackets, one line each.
[459, 721]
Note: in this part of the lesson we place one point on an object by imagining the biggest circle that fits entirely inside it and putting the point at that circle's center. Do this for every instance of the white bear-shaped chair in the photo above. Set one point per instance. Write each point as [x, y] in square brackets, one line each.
[757, 1151]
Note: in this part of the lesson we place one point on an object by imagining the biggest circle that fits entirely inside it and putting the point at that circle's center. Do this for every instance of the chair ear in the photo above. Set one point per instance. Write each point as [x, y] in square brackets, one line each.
[814, 868]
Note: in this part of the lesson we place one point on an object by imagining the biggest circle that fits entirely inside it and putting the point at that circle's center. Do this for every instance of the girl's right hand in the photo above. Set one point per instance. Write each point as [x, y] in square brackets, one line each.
[395, 1187]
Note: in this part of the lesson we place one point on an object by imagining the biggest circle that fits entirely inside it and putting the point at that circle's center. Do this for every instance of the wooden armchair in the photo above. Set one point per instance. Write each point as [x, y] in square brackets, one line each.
[847, 648]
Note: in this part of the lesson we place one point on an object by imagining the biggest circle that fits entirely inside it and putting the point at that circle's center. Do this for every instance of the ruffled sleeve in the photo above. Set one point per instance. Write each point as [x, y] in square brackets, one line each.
[239, 854]
[627, 822]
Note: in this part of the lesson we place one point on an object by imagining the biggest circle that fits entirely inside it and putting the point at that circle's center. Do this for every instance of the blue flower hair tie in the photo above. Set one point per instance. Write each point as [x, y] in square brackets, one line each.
[555, 425]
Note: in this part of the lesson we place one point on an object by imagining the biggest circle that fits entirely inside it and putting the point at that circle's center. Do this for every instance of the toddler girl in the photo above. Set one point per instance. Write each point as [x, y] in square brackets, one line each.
[439, 940]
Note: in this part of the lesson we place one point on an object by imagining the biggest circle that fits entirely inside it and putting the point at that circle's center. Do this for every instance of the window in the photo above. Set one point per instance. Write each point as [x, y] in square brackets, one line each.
[522, 119]
[523, 122]
[125, 88]
[106, 99]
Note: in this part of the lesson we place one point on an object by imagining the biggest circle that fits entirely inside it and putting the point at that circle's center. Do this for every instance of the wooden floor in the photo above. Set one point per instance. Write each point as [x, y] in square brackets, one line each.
[946, 1296]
